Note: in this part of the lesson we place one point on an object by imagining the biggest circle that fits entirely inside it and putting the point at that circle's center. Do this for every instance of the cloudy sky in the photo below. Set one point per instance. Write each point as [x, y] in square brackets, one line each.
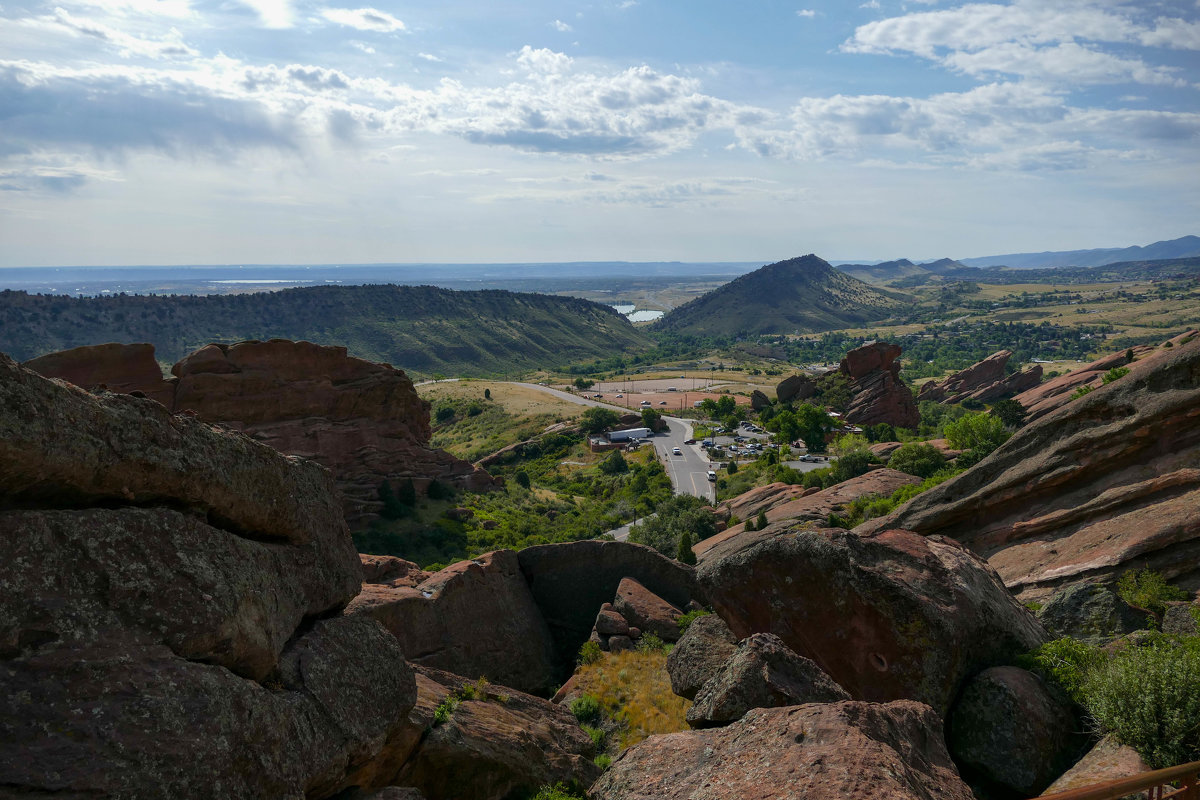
[308, 131]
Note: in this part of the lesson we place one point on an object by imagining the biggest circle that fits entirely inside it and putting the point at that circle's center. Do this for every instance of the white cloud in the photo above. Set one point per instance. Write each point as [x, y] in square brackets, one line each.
[1175, 33]
[624, 4]
[428, 57]
[543, 60]
[806, 12]
[170, 45]
[273, 13]
[364, 19]
[870, 4]
[561, 26]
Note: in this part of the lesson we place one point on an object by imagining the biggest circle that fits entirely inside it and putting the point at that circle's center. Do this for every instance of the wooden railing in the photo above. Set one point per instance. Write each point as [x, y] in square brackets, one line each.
[1157, 785]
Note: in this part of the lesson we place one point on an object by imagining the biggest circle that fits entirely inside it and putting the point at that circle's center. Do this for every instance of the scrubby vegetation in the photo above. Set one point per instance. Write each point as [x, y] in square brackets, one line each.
[634, 695]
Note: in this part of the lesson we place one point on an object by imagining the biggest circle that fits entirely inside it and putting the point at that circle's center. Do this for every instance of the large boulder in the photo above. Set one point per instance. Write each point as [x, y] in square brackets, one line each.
[843, 749]
[1012, 730]
[762, 673]
[125, 368]
[170, 603]
[1090, 612]
[1182, 619]
[888, 616]
[645, 610]
[475, 618]
[700, 653]
[1108, 481]
[500, 746]
[795, 387]
[799, 505]
[571, 581]
[878, 394]
[759, 400]
[391, 571]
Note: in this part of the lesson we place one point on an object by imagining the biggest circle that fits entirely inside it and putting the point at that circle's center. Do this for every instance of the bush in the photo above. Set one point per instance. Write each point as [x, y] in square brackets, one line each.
[1064, 662]
[685, 620]
[522, 479]
[1147, 589]
[685, 555]
[603, 761]
[762, 520]
[559, 791]
[1150, 698]
[732, 467]
[615, 464]
[586, 708]
[978, 432]
[438, 490]
[651, 643]
[1114, 374]
[917, 458]
[444, 413]
[590, 652]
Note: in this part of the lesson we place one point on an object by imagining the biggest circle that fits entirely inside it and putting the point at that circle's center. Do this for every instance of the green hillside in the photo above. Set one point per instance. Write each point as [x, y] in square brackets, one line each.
[421, 329]
[800, 295]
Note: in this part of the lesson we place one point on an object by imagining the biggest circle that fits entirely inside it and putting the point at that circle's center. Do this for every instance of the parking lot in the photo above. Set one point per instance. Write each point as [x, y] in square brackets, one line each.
[746, 445]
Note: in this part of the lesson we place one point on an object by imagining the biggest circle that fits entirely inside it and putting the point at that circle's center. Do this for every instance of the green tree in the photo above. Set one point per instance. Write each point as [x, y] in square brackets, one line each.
[407, 494]
[814, 425]
[438, 490]
[1010, 412]
[522, 479]
[978, 432]
[651, 419]
[596, 420]
[675, 515]
[917, 458]
[444, 413]
[686, 555]
[391, 505]
[583, 383]
[725, 406]
[761, 522]
[732, 467]
[487, 394]
[883, 432]
[615, 464]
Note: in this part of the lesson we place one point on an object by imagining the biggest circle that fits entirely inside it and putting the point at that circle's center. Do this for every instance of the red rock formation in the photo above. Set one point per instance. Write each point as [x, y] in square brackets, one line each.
[362, 420]
[983, 381]
[878, 393]
[795, 387]
[823, 750]
[645, 610]
[124, 368]
[1108, 761]
[1107, 481]
[796, 504]
[891, 616]
[475, 618]
[163, 594]
[391, 571]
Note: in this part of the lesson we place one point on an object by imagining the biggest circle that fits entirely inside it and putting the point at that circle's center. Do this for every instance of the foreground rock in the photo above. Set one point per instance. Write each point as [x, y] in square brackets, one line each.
[504, 745]
[800, 505]
[984, 381]
[762, 673]
[819, 750]
[474, 618]
[1106, 482]
[1090, 612]
[646, 611]
[1108, 761]
[170, 606]
[1012, 730]
[888, 616]
[701, 652]
[878, 394]
[571, 581]
[361, 419]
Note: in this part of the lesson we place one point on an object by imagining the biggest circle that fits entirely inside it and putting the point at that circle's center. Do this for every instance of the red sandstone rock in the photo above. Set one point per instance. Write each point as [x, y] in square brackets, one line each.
[890, 616]
[391, 571]
[983, 381]
[878, 393]
[1106, 481]
[646, 611]
[700, 653]
[475, 617]
[124, 368]
[795, 387]
[806, 505]
[823, 750]
[1108, 761]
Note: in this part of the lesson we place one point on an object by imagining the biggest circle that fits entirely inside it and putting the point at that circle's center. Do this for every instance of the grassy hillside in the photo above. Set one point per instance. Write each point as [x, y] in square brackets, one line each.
[421, 329]
[803, 295]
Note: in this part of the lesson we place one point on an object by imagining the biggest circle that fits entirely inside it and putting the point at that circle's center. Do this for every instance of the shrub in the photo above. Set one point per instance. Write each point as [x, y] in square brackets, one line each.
[522, 479]
[615, 464]
[732, 467]
[685, 620]
[444, 413]
[438, 490]
[749, 526]
[917, 458]
[392, 509]
[1114, 374]
[1147, 589]
[1150, 698]
[559, 791]
[487, 394]
[635, 694]
[652, 643]
[980, 432]
[590, 652]
[686, 555]
[762, 520]
[1082, 390]
[597, 734]
[1064, 662]
[603, 761]
[586, 708]
[445, 710]
[1010, 412]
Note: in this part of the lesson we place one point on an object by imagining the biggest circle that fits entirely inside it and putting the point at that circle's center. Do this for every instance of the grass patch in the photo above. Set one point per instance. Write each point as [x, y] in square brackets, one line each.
[634, 693]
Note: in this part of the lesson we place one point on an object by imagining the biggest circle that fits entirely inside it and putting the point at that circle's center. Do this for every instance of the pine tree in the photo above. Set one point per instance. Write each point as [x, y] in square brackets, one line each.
[686, 555]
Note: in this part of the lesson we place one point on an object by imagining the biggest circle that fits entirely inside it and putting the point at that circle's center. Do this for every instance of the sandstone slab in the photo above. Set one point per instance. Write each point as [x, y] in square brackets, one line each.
[646, 611]
[702, 650]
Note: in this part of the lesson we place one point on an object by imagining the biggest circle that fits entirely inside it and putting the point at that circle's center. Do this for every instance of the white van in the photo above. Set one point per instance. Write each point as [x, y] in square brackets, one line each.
[712, 476]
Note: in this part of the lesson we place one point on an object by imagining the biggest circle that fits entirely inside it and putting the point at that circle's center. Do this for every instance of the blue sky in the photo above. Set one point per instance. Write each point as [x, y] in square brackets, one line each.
[307, 131]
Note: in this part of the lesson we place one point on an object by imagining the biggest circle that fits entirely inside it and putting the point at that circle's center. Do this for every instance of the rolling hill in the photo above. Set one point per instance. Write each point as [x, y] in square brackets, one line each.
[804, 295]
[421, 329]
[1183, 247]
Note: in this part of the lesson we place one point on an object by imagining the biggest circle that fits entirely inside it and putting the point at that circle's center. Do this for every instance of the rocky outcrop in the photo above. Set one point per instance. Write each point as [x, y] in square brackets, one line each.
[818, 750]
[1182, 619]
[645, 610]
[801, 505]
[1057, 392]
[1012, 730]
[878, 394]
[888, 616]
[391, 571]
[501, 744]
[1108, 761]
[1107, 481]
[762, 673]
[759, 400]
[571, 581]
[125, 368]
[170, 604]
[702, 650]
[984, 381]
[361, 419]
[474, 618]
[795, 387]
[1092, 613]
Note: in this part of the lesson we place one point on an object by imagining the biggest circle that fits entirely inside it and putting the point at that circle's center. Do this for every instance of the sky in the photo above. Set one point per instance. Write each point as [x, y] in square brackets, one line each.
[313, 131]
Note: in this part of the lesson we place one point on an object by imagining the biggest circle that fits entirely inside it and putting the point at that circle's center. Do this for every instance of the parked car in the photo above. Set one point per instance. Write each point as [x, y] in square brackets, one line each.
[620, 395]
[646, 403]
[690, 441]
[662, 402]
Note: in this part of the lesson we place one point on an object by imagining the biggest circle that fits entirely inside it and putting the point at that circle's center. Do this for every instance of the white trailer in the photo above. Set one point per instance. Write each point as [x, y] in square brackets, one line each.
[628, 433]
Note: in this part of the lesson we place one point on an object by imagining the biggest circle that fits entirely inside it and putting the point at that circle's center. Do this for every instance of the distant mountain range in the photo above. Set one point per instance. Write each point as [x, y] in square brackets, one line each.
[420, 329]
[801, 294]
[890, 271]
[1183, 247]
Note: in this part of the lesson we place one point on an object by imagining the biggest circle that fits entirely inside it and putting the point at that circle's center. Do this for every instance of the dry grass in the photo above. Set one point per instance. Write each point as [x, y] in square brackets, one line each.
[517, 400]
[635, 691]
